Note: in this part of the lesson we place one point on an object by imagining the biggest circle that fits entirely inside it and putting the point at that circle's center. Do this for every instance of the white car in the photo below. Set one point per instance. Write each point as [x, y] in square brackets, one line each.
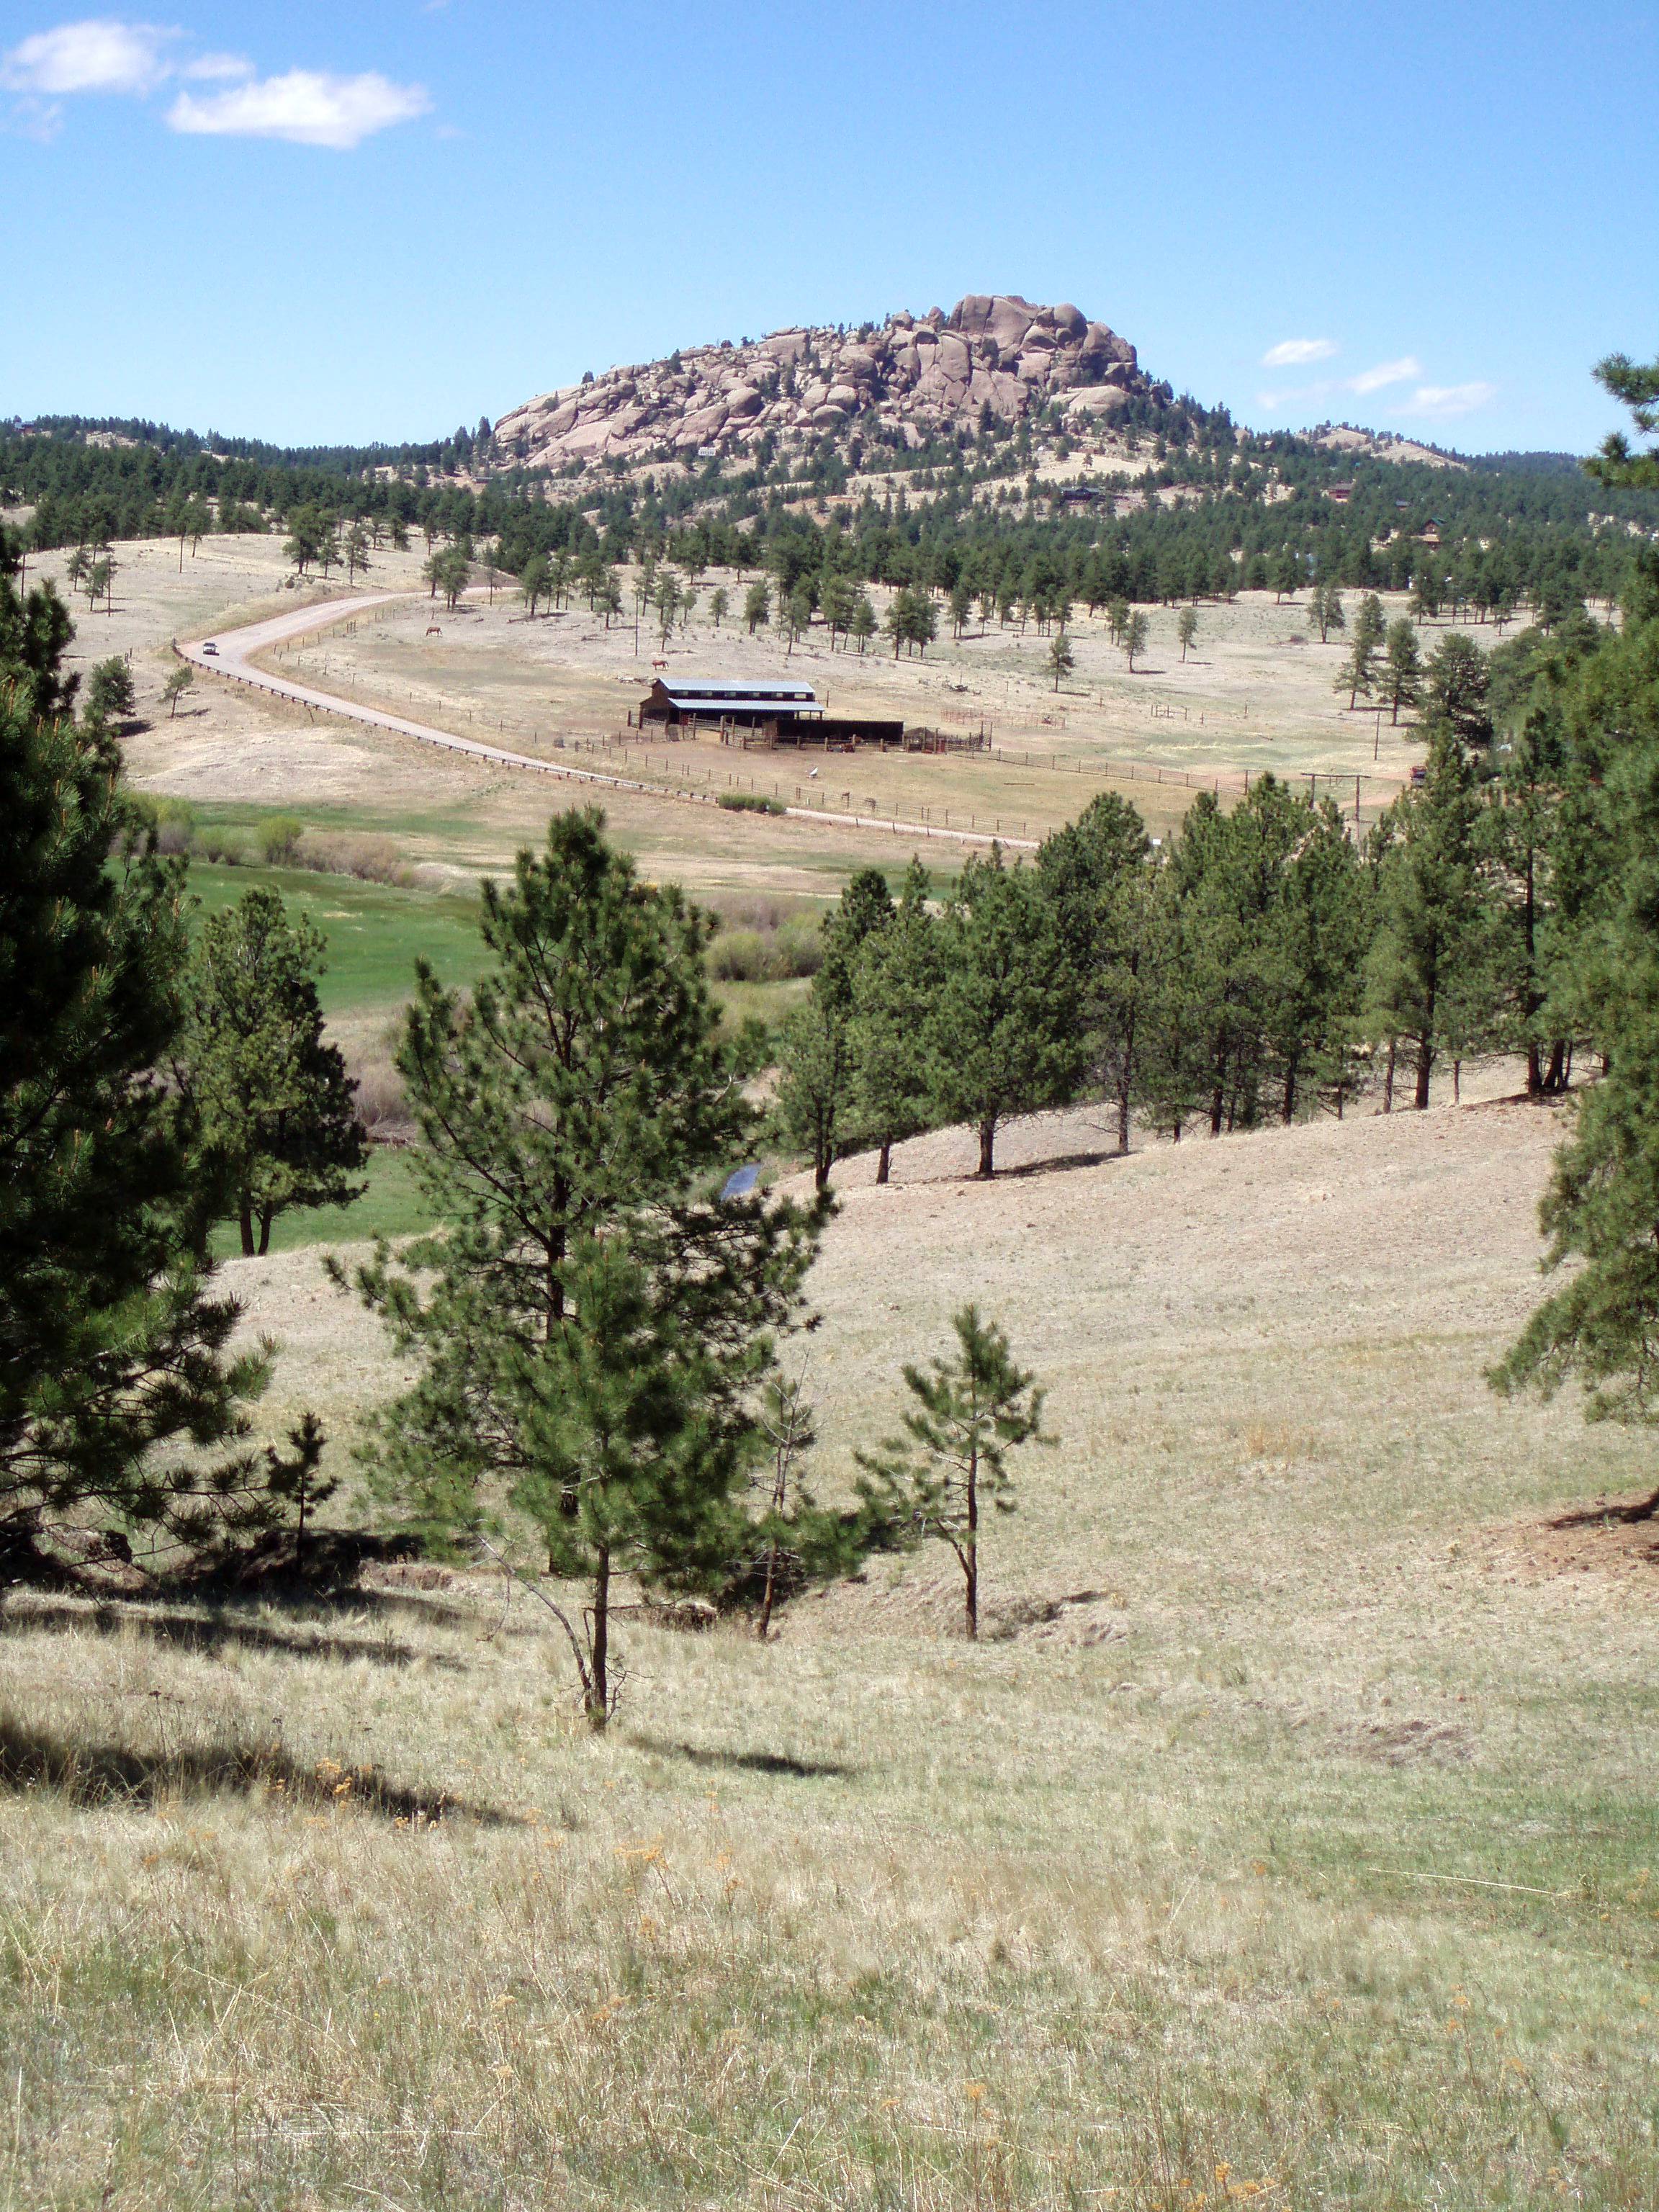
[211, 647]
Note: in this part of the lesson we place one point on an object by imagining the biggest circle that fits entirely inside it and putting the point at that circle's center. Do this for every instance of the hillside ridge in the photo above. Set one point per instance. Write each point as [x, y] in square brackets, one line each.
[994, 353]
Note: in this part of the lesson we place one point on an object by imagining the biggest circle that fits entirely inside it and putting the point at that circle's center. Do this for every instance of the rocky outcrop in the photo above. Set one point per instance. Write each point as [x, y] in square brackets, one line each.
[991, 352]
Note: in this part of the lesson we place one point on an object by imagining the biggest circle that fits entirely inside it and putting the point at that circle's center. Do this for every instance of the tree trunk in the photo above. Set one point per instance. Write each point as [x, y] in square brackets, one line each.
[266, 1217]
[245, 1222]
[1457, 1082]
[1534, 1071]
[987, 1139]
[971, 1557]
[1387, 1080]
[885, 1160]
[1425, 1064]
[599, 1686]
[763, 1626]
[1556, 1078]
[1289, 1092]
[1124, 1116]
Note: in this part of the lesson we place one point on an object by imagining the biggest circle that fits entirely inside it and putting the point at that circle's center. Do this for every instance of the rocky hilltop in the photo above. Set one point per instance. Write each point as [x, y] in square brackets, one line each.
[912, 376]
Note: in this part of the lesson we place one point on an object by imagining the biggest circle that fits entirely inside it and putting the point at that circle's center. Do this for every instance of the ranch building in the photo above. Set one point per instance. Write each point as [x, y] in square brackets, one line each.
[753, 714]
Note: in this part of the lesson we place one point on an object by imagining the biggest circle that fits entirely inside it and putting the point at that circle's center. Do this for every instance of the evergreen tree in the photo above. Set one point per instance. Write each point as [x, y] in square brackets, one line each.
[1003, 1038]
[951, 1463]
[1061, 658]
[1325, 609]
[273, 1101]
[1402, 668]
[895, 982]
[757, 606]
[1457, 683]
[593, 1330]
[816, 1065]
[1602, 1205]
[110, 695]
[1434, 918]
[863, 626]
[1095, 875]
[1356, 676]
[1187, 628]
[119, 1394]
[1133, 635]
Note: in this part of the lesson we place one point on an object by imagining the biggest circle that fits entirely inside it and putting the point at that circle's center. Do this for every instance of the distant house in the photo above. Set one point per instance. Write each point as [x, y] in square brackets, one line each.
[1339, 494]
[741, 712]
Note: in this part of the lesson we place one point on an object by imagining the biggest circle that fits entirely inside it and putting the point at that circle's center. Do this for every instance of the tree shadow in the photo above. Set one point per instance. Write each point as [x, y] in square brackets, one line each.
[1062, 1165]
[113, 1774]
[746, 1762]
[1605, 1514]
[215, 1632]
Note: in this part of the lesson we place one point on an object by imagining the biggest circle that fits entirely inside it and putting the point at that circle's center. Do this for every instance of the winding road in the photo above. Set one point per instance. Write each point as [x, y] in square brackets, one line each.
[229, 652]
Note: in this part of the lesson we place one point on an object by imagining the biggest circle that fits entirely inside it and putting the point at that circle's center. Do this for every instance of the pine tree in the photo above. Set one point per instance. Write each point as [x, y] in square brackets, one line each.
[592, 1329]
[816, 1062]
[1003, 1038]
[273, 1101]
[1095, 874]
[951, 1463]
[1435, 919]
[894, 983]
[110, 696]
[1187, 628]
[118, 1391]
[1602, 1204]
[1325, 609]
[1402, 668]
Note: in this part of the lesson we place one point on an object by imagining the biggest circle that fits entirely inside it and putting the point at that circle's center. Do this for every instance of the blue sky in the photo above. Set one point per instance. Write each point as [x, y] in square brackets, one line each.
[318, 223]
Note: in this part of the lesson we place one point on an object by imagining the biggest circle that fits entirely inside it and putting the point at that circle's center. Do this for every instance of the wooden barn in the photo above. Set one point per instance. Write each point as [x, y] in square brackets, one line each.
[754, 714]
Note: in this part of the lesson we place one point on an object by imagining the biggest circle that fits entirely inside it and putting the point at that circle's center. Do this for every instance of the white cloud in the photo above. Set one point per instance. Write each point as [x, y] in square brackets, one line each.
[1386, 373]
[1292, 353]
[308, 107]
[1451, 398]
[97, 55]
[219, 68]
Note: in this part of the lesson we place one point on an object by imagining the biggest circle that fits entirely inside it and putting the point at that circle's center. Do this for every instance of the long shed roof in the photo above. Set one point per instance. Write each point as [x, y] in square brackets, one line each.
[700, 687]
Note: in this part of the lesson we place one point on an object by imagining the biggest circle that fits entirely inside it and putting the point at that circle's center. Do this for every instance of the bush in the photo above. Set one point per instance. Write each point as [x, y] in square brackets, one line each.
[800, 947]
[279, 840]
[741, 955]
[175, 825]
[381, 1103]
[750, 802]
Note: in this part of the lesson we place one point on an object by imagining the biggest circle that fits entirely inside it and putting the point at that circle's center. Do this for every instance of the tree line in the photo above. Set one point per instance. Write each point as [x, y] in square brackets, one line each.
[1210, 519]
[1263, 965]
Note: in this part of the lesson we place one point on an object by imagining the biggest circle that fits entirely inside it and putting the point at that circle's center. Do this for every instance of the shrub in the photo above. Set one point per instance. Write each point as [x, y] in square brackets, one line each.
[800, 947]
[175, 825]
[279, 839]
[750, 802]
[741, 955]
[381, 1103]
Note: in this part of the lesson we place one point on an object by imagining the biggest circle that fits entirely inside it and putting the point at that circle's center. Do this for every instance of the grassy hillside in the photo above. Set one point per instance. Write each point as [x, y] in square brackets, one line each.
[1288, 1843]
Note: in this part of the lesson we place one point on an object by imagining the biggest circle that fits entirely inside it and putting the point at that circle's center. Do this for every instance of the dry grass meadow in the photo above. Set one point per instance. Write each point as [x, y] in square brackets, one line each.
[1289, 1841]
[1254, 694]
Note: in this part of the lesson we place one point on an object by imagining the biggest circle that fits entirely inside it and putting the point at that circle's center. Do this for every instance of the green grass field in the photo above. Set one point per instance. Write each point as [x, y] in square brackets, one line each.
[372, 933]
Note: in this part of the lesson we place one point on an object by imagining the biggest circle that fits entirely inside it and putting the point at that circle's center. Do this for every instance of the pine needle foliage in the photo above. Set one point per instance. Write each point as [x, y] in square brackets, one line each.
[970, 1410]
[593, 1326]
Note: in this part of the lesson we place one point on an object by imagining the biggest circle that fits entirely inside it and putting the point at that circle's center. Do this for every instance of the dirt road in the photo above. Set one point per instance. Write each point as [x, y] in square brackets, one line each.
[230, 653]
